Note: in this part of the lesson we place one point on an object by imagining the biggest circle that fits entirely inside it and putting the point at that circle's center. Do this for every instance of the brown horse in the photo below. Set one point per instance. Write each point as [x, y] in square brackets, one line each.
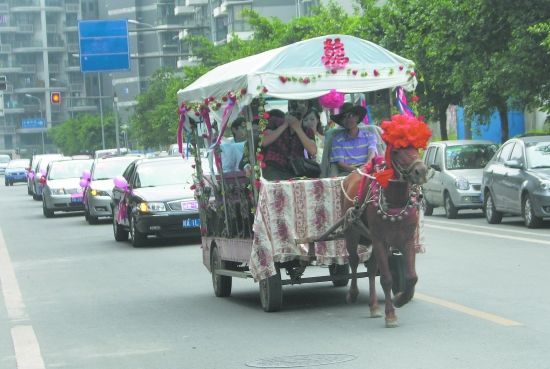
[390, 213]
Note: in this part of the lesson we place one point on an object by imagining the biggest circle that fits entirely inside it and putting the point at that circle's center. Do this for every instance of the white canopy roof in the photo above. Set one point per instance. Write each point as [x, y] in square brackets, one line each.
[302, 60]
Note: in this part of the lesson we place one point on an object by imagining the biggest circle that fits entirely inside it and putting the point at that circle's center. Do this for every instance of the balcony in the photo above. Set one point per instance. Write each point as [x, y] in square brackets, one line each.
[219, 12]
[54, 68]
[51, 28]
[72, 8]
[196, 2]
[10, 108]
[242, 35]
[73, 68]
[5, 69]
[7, 28]
[228, 3]
[28, 68]
[73, 48]
[25, 28]
[27, 46]
[5, 49]
[81, 105]
[22, 6]
[182, 9]
[76, 87]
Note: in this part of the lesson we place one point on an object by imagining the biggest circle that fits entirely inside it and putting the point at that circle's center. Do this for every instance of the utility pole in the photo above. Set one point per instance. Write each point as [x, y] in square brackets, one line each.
[115, 110]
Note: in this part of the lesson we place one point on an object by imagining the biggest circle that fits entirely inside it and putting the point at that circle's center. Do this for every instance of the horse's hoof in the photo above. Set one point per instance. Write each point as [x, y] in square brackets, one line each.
[402, 298]
[351, 299]
[375, 313]
[392, 323]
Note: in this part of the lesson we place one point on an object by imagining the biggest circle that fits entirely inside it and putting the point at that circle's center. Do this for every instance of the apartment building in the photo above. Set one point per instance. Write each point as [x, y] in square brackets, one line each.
[39, 55]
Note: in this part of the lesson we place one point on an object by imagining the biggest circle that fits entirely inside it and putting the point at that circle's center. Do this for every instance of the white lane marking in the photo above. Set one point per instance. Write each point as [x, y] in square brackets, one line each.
[454, 229]
[493, 228]
[10, 287]
[466, 310]
[25, 344]
[27, 349]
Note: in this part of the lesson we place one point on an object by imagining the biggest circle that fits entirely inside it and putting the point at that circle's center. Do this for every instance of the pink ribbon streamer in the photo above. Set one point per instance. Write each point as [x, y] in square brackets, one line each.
[183, 117]
[225, 120]
[402, 102]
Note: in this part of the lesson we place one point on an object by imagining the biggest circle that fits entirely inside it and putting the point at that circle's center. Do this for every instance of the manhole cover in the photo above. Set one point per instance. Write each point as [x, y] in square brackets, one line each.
[299, 361]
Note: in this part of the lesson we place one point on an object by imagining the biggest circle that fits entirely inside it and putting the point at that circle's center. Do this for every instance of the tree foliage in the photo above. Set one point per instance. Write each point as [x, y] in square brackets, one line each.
[82, 134]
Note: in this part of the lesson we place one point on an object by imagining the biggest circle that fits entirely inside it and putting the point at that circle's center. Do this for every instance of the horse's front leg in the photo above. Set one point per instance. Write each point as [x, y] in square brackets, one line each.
[372, 268]
[411, 278]
[352, 240]
[381, 255]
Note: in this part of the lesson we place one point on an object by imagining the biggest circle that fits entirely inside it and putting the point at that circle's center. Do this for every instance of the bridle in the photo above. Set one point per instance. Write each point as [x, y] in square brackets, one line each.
[405, 173]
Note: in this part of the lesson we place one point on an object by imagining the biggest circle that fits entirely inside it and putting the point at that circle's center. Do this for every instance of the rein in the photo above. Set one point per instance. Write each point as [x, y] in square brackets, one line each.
[405, 173]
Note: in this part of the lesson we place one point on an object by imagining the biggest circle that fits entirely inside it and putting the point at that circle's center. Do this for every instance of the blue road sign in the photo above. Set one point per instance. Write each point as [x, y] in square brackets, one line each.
[32, 123]
[103, 45]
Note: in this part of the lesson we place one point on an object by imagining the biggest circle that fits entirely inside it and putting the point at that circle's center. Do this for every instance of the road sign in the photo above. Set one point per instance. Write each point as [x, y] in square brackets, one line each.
[32, 123]
[103, 45]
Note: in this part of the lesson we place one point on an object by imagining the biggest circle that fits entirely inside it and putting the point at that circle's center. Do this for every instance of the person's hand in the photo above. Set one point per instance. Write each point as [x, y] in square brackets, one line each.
[248, 170]
[292, 122]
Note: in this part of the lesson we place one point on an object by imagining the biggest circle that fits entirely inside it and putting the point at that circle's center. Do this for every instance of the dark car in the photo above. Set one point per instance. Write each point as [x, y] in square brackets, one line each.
[517, 181]
[154, 197]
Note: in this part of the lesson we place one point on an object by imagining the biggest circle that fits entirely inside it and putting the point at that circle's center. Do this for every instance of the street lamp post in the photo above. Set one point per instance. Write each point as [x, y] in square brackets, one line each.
[152, 28]
[41, 118]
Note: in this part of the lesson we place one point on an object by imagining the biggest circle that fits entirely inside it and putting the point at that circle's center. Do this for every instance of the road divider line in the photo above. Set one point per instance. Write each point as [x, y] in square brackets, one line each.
[523, 239]
[10, 287]
[489, 228]
[25, 343]
[27, 349]
[466, 310]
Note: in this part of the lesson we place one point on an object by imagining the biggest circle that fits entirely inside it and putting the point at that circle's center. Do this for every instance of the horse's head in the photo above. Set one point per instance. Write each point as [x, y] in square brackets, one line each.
[404, 136]
[408, 165]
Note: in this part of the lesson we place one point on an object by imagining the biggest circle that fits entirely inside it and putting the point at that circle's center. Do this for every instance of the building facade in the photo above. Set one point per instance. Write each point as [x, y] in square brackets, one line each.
[38, 56]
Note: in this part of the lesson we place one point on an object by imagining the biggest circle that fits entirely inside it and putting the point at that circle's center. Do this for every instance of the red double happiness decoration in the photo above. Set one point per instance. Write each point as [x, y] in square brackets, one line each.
[335, 57]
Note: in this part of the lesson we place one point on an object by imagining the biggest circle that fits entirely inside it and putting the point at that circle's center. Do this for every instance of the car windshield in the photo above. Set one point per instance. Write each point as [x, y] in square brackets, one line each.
[538, 154]
[468, 156]
[69, 169]
[107, 169]
[19, 163]
[42, 165]
[163, 173]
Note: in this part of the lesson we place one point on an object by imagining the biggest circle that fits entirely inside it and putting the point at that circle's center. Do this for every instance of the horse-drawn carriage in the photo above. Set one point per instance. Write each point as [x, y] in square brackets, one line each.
[253, 228]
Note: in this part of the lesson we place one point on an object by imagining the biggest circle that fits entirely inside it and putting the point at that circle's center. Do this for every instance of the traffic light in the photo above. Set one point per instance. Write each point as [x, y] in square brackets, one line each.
[55, 97]
[3, 83]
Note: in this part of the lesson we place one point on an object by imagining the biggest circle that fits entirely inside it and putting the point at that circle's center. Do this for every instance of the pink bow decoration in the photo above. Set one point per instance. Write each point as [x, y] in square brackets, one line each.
[332, 100]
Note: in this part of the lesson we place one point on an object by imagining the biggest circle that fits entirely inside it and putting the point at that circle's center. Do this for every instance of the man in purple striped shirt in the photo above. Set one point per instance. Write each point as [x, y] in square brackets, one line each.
[353, 147]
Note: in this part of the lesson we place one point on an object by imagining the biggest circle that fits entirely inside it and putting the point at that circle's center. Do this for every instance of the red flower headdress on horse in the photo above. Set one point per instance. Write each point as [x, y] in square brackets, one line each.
[401, 132]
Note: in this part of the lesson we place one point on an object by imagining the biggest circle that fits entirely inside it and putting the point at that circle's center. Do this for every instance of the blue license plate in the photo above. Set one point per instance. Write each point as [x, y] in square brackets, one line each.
[76, 199]
[192, 223]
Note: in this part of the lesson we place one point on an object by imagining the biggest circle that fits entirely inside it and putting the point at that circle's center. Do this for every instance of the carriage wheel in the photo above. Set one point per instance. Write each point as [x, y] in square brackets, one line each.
[338, 270]
[397, 268]
[271, 293]
[221, 283]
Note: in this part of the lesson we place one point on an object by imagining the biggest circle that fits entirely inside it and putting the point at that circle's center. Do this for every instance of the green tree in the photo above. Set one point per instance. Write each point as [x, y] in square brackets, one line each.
[83, 134]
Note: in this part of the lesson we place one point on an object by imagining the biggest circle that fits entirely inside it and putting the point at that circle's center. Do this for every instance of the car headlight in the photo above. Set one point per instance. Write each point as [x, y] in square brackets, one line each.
[94, 192]
[545, 185]
[57, 191]
[462, 183]
[146, 207]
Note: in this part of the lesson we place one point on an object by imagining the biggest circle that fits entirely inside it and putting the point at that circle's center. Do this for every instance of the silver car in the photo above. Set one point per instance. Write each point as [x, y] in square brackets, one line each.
[62, 191]
[454, 180]
[38, 171]
[99, 188]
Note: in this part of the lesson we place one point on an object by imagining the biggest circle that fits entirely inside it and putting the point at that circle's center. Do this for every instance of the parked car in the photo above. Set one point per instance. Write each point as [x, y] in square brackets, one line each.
[16, 171]
[62, 191]
[39, 165]
[4, 160]
[110, 152]
[517, 181]
[99, 185]
[154, 197]
[454, 180]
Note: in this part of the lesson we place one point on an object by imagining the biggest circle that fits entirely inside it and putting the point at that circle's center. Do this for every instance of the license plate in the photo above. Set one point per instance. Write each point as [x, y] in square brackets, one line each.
[189, 205]
[76, 199]
[192, 223]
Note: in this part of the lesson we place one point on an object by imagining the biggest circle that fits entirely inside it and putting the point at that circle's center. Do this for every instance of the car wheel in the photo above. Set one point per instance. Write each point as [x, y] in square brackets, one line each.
[138, 239]
[450, 210]
[90, 218]
[221, 283]
[492, 215]
[428, 208]
[119, 232]
[11, 183]
[529, 217]
[36, 197]
[6, 182]
[47, 212]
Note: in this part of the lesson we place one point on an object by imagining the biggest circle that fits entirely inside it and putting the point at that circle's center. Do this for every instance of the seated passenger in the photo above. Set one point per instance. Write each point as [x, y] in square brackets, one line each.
[312, 120]
[232, 150]
[284, 139]
[352, 147]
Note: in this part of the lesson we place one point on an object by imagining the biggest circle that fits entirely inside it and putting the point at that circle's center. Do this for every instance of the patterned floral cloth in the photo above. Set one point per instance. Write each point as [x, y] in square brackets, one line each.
[289, 210]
